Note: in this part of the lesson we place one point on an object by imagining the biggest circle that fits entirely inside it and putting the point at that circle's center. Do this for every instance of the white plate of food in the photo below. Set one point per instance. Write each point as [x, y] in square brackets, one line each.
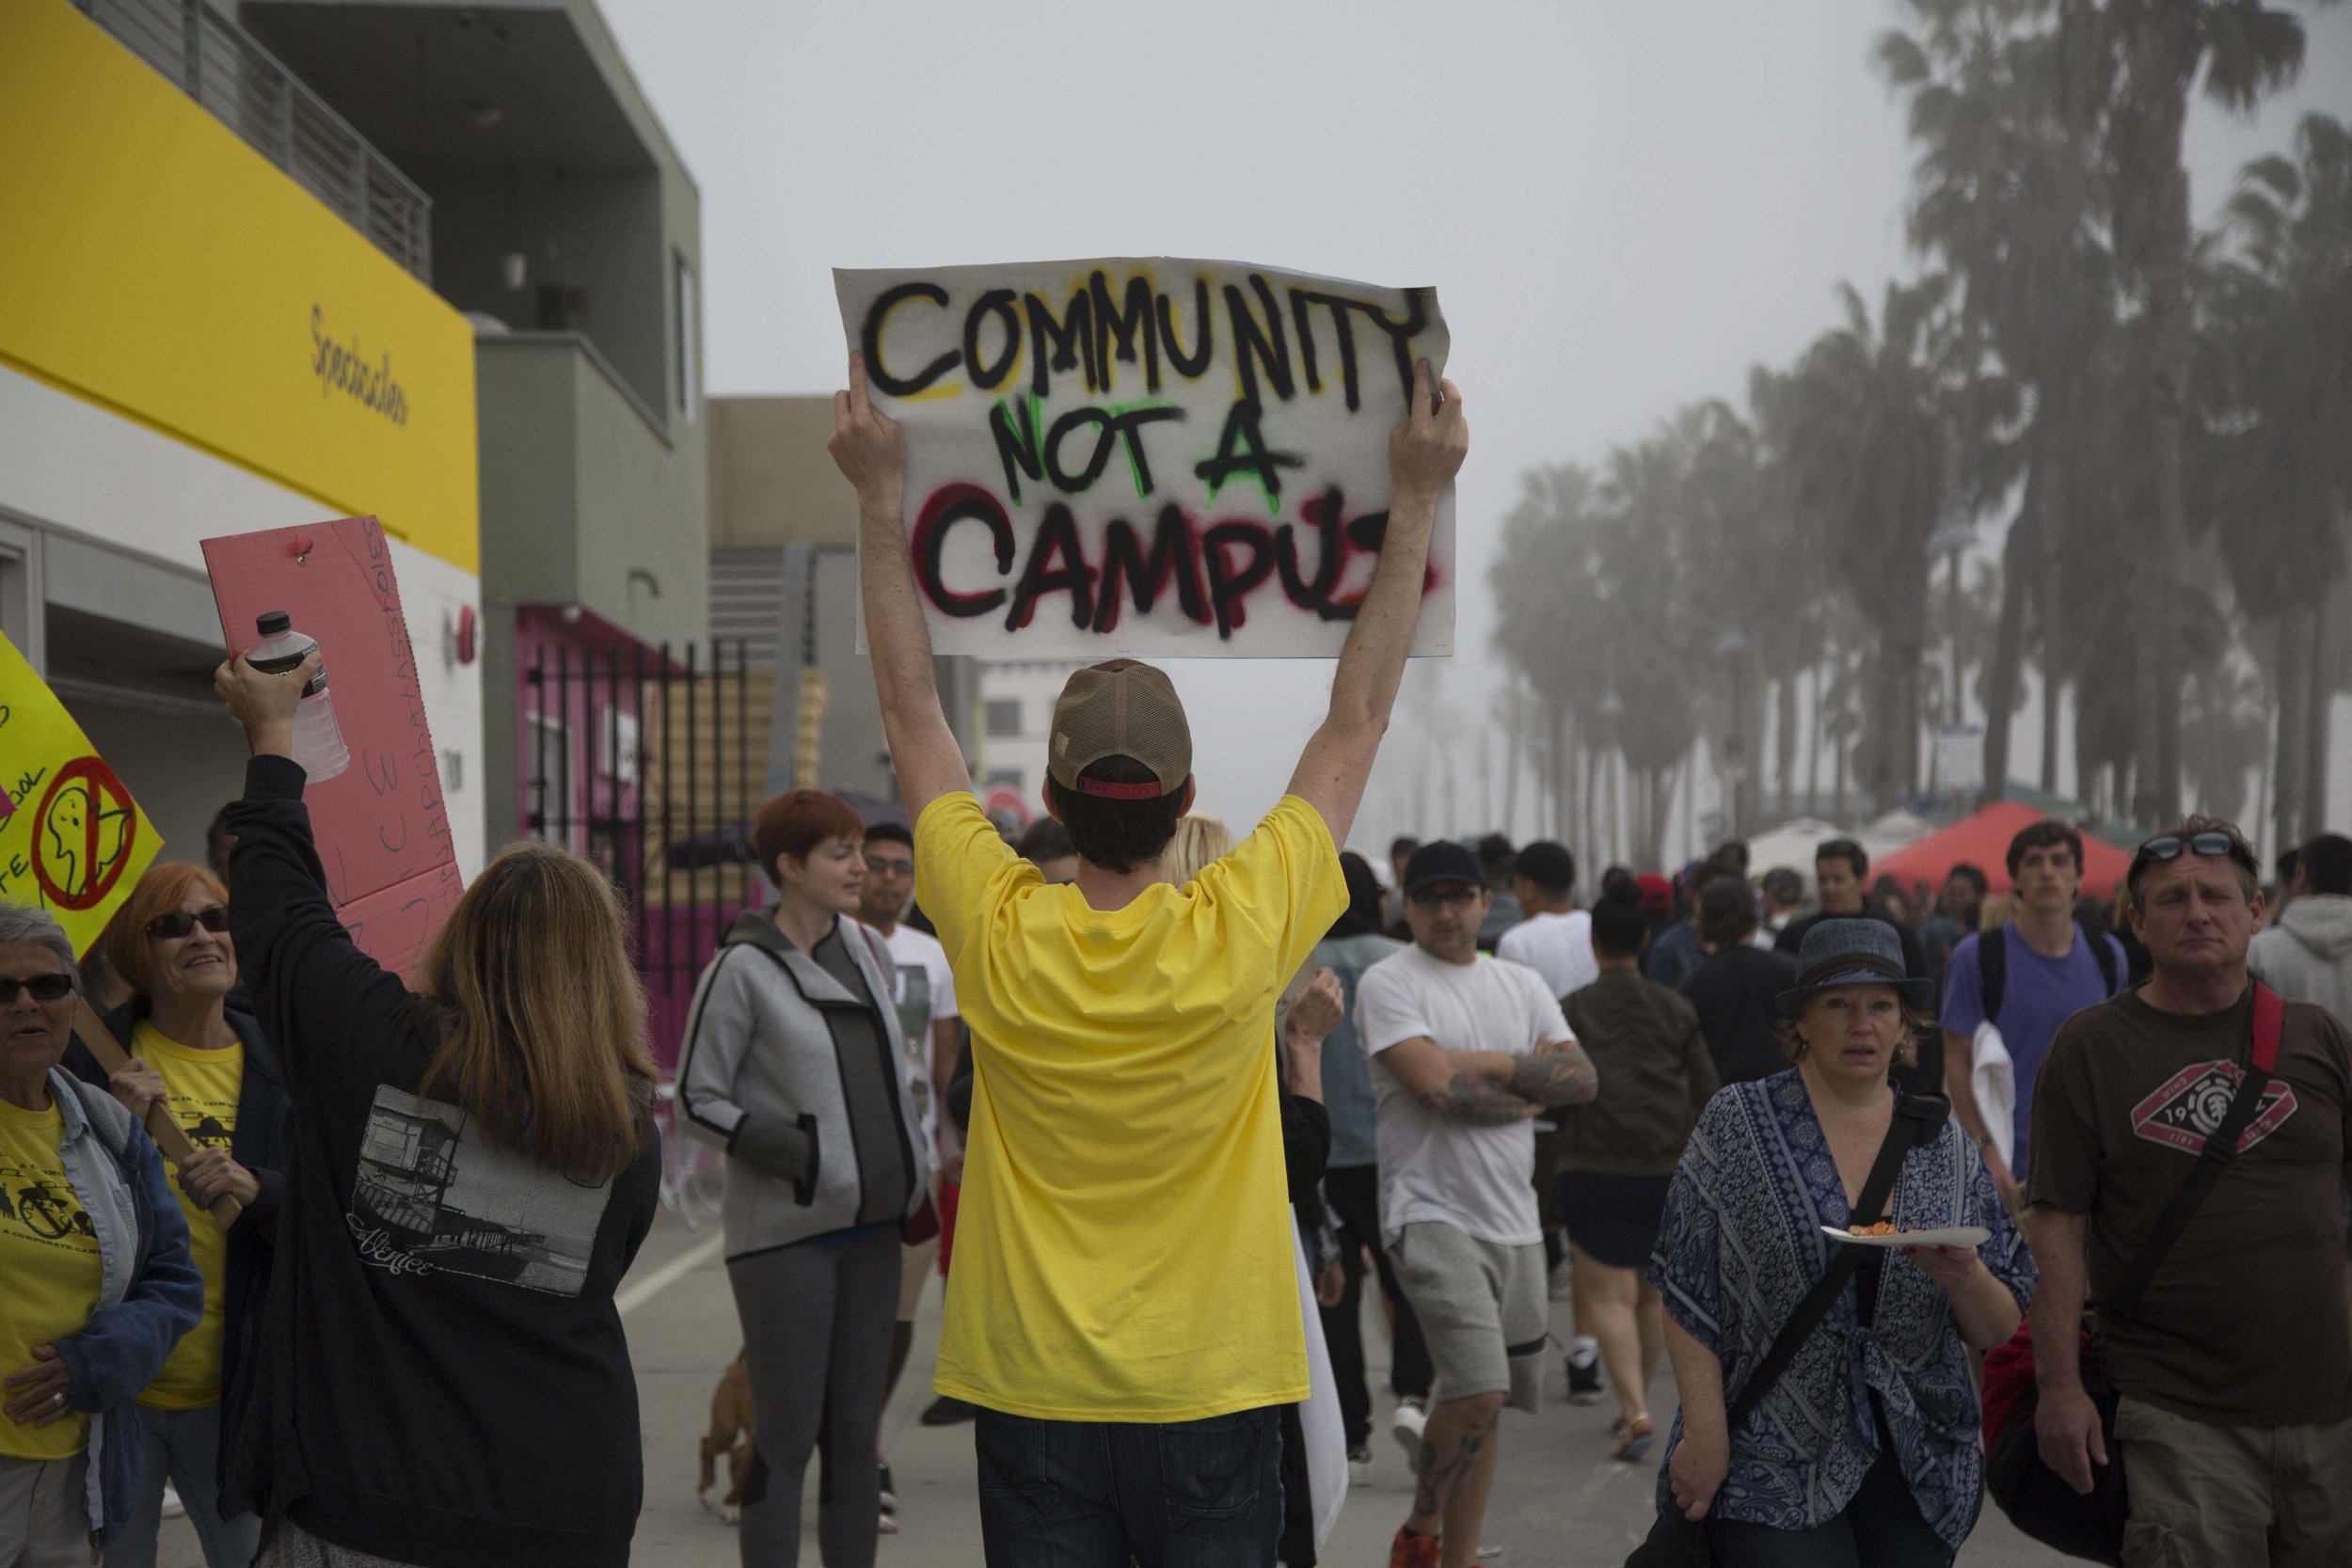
[1950, 1235]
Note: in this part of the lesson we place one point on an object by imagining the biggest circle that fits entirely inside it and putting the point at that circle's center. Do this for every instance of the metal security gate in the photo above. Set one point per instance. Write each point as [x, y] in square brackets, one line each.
[653, 763]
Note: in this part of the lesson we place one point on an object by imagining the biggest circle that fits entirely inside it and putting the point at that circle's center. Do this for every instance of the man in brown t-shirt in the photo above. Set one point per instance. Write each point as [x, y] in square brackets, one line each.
[2236, 1369]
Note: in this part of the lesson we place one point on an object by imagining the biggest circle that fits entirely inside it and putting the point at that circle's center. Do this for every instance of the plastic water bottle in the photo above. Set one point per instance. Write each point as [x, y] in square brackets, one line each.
[318, 741]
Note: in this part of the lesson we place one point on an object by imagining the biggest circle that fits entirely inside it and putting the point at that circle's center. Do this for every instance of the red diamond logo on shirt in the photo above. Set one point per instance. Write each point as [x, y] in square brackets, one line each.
[2189, 1106]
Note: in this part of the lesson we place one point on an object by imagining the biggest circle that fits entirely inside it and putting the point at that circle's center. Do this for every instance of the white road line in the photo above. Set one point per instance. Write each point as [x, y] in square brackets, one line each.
[637, 1294]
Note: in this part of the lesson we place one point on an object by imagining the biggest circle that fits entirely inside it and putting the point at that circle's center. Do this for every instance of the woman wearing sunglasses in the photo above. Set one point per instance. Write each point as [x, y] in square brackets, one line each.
[195, 1046]
[95, 1281]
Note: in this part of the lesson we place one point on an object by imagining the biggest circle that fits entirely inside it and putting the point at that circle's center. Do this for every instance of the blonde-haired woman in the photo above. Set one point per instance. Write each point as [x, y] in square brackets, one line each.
[1198, 840]
[1866, 1448]
[443, 1378]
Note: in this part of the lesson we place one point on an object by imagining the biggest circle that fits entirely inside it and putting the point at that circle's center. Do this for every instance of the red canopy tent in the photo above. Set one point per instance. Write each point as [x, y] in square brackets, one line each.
[1982, 841]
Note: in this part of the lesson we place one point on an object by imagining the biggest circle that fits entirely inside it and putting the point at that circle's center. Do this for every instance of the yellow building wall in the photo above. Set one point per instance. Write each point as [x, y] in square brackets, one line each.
[153, 263]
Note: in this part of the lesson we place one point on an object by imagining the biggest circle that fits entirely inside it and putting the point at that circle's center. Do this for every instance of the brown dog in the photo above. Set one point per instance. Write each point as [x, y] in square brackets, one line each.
[731, 1432]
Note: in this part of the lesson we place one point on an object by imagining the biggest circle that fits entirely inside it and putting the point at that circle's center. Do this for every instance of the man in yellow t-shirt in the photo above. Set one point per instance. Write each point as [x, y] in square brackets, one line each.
[1123, 1310]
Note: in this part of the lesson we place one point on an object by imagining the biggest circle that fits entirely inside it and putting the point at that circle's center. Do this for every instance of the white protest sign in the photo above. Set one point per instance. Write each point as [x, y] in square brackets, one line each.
[1145, 455]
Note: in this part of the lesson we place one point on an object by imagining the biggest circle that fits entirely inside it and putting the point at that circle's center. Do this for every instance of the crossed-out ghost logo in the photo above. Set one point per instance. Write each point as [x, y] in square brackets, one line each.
[2186, 1110]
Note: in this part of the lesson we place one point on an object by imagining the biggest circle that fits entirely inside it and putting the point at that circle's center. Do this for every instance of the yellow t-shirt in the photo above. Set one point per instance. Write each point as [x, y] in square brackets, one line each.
[48, 1263]
[204, 1086]
[1122, 1243]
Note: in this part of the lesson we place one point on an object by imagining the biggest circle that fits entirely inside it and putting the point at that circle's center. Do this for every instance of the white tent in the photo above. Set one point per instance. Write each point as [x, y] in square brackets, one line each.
[1790, 845]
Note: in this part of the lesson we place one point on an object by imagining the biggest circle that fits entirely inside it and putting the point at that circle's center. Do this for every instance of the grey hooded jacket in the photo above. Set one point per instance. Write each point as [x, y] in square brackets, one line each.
[2308, 956]
[804, 1085]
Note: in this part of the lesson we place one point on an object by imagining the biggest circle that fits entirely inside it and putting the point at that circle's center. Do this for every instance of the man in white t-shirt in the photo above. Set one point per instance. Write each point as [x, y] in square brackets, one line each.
[1556, 938]
[1466, 1052]
[924, 992]
[1556, 941]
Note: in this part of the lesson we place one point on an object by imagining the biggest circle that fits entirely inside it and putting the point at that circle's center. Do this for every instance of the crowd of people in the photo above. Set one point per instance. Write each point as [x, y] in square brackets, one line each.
[1158, 1103]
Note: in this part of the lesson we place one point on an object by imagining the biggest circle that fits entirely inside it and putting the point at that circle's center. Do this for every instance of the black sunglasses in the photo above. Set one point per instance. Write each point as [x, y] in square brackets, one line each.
[179, 923]
[2171, 845]
[45, 988]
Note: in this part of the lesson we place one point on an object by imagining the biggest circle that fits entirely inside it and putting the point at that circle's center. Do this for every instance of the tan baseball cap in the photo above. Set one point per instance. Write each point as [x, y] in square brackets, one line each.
[1119, 709]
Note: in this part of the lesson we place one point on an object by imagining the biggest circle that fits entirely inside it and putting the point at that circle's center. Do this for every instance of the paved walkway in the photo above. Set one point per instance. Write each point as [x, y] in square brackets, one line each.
[1560, 1502]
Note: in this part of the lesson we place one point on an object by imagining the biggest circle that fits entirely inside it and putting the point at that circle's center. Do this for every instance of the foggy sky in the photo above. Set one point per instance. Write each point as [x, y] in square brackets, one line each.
[1622, 207]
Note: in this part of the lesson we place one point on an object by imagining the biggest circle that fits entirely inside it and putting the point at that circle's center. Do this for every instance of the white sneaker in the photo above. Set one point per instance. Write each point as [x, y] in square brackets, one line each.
[173, 1506]
[1360, 1466]
[1406, 1426]
[1561, 1289]
[1584, 1371]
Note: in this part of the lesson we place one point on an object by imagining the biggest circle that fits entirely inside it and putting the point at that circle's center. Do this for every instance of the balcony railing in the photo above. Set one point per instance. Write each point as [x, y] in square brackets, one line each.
[244, 88]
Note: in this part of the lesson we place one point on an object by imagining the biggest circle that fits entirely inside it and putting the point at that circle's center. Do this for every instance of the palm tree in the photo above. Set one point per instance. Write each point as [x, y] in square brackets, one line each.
[2005, 197]
[1875, 414]
[2150, 53]
[2275, 376]
[1550, 605]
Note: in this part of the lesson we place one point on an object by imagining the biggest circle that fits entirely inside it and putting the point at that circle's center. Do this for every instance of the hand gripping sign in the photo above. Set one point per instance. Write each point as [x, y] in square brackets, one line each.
[74, 843]
[381, 825]
[1146, 456]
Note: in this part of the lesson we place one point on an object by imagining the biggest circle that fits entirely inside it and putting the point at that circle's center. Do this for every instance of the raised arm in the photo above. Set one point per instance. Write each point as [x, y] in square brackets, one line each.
[1426, 450]
[870, 450]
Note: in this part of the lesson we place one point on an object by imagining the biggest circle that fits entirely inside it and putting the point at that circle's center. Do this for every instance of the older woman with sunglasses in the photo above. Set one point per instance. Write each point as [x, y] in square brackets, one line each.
[94, 1257]
[195, 1048]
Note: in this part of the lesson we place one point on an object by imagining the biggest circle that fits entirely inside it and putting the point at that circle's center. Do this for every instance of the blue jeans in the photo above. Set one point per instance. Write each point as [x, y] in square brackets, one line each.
[1103, 1494]
[184, 1447]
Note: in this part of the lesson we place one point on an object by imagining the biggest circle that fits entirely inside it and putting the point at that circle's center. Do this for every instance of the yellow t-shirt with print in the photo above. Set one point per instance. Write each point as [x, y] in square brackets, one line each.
[1123, 1238]
[204, 1087]
[49, 1263]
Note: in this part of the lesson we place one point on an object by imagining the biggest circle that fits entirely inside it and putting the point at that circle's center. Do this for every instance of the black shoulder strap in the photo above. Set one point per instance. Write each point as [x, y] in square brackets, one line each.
[2102, 954]
[1902, 1134]
[1992, 970]
[2220, 1149]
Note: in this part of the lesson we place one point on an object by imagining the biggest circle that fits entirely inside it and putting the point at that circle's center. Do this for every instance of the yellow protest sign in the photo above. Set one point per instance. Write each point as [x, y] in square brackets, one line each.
[72, 839]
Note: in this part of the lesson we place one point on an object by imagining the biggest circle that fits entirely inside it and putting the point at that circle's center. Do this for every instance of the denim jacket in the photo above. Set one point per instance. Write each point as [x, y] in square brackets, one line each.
[149, 1293]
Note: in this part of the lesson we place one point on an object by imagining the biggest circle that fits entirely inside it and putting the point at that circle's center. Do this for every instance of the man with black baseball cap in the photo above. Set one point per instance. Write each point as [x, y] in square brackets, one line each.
[1124, 1308]
[1466, 1051]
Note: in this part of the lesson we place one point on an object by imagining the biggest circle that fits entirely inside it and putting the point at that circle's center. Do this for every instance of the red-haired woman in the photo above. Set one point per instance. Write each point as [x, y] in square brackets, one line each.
[792, 1065]
[204, 1056]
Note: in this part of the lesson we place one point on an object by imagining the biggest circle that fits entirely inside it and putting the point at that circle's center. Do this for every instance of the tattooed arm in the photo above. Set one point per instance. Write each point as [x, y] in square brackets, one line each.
[1441, 1081]
[1479, 1102]
[1558, 1074]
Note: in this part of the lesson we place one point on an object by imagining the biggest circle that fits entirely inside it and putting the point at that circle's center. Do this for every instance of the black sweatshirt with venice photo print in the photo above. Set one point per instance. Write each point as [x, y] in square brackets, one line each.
[443, 1379]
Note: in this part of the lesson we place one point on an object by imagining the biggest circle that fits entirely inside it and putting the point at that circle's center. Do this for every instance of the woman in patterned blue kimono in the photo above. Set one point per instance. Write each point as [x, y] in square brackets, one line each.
[1867, 1450]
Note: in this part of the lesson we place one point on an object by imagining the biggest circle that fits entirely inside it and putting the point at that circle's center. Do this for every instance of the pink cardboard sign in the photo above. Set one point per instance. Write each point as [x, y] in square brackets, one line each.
[382, 825]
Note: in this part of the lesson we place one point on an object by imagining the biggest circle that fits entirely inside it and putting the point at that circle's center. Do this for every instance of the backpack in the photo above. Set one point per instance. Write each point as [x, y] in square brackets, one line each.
[1992, 965]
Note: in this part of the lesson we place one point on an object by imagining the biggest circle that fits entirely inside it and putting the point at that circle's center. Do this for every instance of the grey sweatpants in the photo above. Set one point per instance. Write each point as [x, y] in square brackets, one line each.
[817, 1324]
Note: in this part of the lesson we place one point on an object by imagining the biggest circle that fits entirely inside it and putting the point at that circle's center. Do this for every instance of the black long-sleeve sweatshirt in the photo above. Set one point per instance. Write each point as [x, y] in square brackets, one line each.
[443, 1378]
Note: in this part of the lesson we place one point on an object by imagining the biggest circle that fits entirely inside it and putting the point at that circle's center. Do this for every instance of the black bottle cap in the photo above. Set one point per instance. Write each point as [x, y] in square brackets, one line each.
[272, 622]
